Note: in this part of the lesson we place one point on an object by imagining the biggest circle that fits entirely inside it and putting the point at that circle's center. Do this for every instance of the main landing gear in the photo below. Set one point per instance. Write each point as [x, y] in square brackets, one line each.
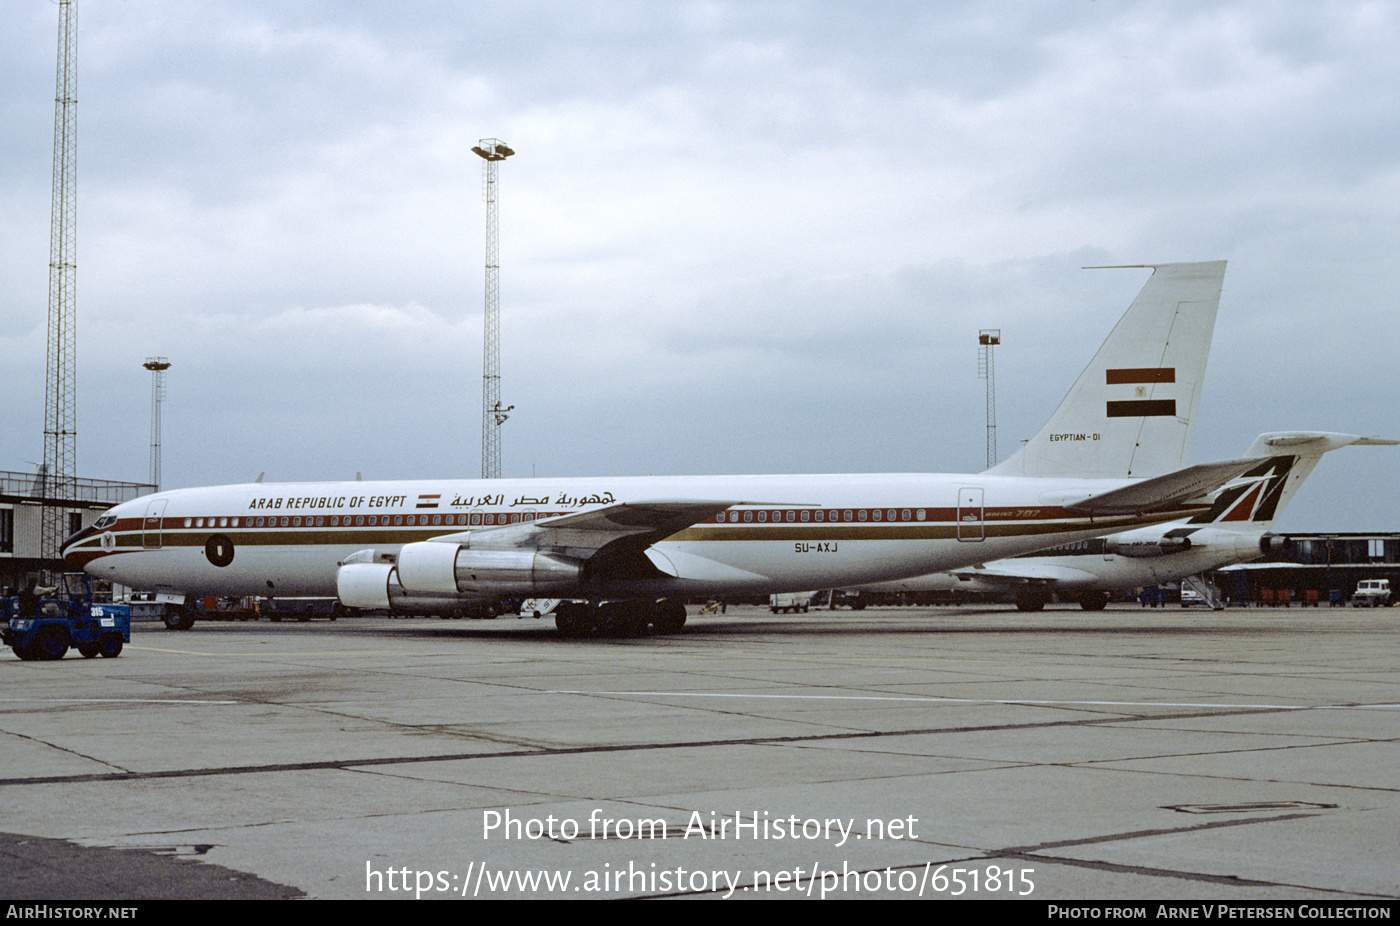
[1093, 601]
[1032, 598]
[619, 618]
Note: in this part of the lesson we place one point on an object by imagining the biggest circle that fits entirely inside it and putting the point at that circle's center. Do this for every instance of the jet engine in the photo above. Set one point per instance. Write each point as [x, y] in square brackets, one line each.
[1140, 549]
[440, 568]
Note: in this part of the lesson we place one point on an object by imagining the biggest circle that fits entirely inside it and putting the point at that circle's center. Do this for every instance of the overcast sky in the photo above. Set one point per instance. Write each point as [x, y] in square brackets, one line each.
[736, 237]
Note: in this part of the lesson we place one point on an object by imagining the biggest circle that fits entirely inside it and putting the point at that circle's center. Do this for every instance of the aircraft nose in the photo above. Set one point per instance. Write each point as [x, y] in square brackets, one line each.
[68, 549]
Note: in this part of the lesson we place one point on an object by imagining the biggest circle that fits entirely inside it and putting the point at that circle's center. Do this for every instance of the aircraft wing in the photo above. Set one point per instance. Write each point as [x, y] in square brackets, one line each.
[646, 522]
[1183, 487]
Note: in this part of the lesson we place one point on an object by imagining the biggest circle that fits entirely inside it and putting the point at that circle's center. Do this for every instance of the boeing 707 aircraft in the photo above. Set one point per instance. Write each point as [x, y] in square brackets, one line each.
[630, 550]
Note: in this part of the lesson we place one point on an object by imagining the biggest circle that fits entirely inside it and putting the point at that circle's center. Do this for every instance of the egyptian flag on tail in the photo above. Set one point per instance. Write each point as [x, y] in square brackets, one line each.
[1142, 403]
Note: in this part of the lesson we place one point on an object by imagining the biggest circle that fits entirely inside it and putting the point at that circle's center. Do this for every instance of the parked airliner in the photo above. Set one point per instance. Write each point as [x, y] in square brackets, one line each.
[634, 548]
[1234, 530]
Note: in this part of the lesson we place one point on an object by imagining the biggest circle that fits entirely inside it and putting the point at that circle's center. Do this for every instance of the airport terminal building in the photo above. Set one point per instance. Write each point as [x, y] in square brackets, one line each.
[23, 496]
[1316, 569]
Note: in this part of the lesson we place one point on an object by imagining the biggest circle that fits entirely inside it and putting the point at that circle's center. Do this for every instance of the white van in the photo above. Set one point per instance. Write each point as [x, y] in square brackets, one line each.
[1371, 593]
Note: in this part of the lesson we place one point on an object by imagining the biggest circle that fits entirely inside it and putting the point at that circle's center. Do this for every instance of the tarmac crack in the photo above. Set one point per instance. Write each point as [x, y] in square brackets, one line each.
[1038, 853]
[369, 762]
[71, 752]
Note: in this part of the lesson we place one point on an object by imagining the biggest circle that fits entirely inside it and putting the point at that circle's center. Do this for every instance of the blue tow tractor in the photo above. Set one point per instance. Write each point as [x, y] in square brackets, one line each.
[45, 625]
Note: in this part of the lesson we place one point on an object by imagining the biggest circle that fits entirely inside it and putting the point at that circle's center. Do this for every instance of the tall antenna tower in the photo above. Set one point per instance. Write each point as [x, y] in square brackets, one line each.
[493, 151]
[60, 393]
[987, 340]
[157, 366]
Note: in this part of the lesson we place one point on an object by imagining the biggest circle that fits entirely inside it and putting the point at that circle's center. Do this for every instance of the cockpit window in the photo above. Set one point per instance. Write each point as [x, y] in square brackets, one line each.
[106, 521]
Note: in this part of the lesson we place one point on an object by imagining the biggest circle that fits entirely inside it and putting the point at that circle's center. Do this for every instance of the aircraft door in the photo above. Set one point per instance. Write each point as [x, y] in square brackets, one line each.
[150, 525]
[970, 514]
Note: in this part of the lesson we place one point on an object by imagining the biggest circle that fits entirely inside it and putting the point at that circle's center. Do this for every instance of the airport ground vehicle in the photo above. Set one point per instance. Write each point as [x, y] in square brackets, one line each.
[178, 612]
[834, 598]
[1371, 593]
[790, 602]
[299, 609]
[63, 618]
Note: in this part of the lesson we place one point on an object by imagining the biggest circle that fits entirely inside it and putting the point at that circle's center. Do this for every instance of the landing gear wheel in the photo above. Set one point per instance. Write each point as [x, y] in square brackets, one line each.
[51, 643]
[624, 618]
[178, 618]
[1032, 599]
[670, 616]
[572, 619]
[110, 646]
[1093, 601]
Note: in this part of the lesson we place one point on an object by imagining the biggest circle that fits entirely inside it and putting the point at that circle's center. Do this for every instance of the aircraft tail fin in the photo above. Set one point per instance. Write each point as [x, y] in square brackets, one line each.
[1132, 411]
[1259, 495]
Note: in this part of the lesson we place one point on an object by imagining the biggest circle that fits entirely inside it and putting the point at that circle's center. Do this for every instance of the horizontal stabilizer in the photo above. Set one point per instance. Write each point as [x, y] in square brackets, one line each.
[1318, 442]
[1182, 487]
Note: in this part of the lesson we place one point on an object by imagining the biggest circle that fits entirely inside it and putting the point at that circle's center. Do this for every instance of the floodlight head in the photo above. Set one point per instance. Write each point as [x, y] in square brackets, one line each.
[493, 149]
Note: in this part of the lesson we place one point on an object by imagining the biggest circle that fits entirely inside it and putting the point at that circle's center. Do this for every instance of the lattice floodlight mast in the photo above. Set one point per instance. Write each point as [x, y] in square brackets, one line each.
[987, 340]
[157, 366]
[492, 151]
[60, 393]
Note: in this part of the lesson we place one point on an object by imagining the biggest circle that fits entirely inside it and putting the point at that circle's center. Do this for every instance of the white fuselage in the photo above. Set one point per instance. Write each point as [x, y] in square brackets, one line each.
[778, 533]
[1087, 570]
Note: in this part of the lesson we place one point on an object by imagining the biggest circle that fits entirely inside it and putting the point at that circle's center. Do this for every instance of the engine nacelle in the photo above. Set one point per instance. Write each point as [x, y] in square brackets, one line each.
[1273, 543]
[375, 586]
[440, 568]
[1141, 549]
[363, 585]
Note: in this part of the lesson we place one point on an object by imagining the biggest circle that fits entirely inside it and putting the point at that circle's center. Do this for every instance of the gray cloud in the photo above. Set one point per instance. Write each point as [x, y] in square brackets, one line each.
[735, 237]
